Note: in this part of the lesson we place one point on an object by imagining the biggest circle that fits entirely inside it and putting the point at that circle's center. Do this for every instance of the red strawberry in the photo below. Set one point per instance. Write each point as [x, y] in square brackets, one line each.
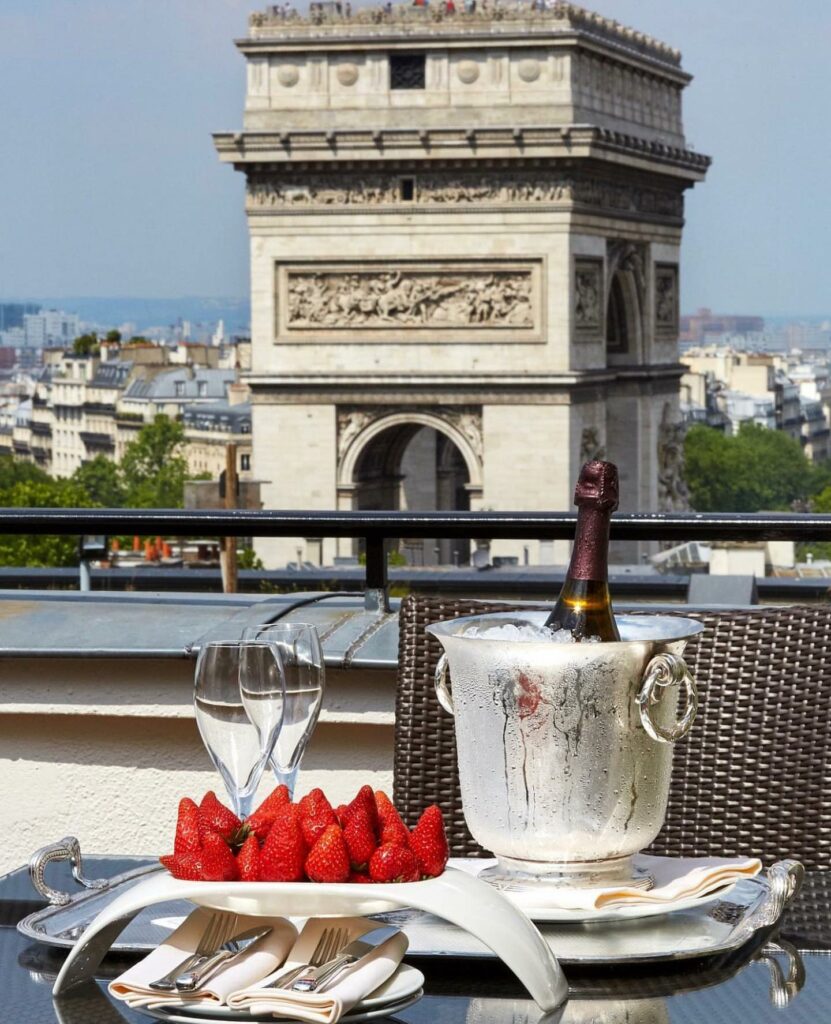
[248, 860]
[261, 820]
[428, 842]
[364, 800]
[187, 828]
[393, 830]
[218, 862]
[360, 877]
[284, 851]
[394, 864]
[341, 813]
[360, 838]
[329, 858]
[187, 866]
[215, 817]
[316, 815]
[383, 805]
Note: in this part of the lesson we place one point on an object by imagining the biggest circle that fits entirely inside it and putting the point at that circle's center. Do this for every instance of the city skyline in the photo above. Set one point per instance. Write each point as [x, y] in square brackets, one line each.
[113, 187]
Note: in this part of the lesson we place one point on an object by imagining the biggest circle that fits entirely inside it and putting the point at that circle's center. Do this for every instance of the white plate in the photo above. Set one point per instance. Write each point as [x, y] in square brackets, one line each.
[362, 1011]
[528, 902]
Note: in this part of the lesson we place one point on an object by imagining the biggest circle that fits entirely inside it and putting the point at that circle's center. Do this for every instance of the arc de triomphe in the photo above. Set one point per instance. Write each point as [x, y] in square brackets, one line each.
[465, 242]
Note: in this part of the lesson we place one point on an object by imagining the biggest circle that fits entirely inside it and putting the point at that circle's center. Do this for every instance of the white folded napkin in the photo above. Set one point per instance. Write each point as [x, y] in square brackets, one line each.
[676, 879]
[680, 878]
[342, 994]
[132, 987]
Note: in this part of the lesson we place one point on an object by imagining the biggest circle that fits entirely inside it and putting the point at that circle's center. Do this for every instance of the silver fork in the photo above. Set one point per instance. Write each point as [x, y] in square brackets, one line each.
[331, 941]
[219, 929]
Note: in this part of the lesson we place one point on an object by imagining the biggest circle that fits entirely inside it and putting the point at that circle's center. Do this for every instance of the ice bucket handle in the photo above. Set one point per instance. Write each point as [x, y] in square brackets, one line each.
[442, 691]
[666, 670]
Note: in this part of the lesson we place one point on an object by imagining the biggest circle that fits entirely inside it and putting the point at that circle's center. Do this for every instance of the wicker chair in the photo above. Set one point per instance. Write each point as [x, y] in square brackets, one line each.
[754, 775]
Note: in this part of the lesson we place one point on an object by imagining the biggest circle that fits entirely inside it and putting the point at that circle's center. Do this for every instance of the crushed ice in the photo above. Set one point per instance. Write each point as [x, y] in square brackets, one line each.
[525, 633]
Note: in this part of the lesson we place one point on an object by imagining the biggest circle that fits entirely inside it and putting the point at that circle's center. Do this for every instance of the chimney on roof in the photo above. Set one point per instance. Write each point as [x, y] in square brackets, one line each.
[238, 393]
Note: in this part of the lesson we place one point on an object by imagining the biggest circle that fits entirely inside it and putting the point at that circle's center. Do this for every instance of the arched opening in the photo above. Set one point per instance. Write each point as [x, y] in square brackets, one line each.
[415, 467]
[617, 331]
[624, 314]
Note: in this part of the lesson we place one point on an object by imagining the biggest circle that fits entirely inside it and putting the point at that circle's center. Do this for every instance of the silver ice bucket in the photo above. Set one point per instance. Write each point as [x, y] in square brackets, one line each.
[565, 750]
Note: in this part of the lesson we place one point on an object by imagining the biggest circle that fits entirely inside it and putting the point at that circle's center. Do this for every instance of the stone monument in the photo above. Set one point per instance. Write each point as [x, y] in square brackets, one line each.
[465, 236]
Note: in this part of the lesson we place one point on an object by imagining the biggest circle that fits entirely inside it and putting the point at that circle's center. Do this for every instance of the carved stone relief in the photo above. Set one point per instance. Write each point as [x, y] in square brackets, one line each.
[588, 297]
[365, 188]
[672, 488]
[590, 445]
[666, 300]
[456, 297]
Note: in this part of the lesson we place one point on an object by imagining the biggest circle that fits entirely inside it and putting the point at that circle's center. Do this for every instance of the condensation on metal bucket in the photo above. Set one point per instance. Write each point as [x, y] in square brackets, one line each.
[565, 750]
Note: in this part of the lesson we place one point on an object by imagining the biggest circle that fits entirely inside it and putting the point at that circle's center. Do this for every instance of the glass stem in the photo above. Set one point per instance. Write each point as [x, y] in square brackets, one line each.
[287, 779]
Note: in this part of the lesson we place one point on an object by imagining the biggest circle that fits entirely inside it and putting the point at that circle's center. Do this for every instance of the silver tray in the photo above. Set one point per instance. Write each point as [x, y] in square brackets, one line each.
[747, 914]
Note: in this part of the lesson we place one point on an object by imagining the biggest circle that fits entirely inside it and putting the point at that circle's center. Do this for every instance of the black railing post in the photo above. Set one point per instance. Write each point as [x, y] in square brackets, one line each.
[377, 594]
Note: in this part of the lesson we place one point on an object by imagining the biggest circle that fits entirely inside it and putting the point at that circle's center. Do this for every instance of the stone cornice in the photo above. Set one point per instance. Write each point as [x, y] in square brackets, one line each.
[404, 24]
[341, 387]
[243, 149]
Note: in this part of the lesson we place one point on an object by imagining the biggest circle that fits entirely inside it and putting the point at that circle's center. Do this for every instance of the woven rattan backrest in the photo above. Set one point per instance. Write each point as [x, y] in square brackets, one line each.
[753, 776]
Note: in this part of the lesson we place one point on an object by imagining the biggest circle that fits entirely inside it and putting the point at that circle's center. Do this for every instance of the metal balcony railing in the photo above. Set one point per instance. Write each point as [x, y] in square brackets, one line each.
[376, 528]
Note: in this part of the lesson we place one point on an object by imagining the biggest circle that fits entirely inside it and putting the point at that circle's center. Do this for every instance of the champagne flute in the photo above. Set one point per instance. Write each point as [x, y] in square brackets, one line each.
[239, 702]
[302, 657]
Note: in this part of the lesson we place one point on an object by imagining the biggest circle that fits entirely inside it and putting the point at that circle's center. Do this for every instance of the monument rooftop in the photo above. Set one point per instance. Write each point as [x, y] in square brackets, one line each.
[495, 21]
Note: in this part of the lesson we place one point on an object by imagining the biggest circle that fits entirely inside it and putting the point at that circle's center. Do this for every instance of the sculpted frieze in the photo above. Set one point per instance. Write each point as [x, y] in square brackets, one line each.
[408, 297]
[666, 299]
[267, 192]
[588, 296]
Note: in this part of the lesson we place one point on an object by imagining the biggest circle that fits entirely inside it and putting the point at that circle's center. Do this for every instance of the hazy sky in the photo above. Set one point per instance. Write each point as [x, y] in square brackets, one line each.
[109, 184]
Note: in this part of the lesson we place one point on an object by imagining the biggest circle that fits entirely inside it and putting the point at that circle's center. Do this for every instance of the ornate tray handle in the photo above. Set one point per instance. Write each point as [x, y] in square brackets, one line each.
[69, 849]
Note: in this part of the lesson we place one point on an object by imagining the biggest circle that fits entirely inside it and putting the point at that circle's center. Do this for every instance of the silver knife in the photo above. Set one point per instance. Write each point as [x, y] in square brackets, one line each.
[193, 978]
[347, 957]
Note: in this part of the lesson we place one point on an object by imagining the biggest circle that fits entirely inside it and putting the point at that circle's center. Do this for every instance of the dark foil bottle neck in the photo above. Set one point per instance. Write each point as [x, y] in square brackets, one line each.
[590, 555]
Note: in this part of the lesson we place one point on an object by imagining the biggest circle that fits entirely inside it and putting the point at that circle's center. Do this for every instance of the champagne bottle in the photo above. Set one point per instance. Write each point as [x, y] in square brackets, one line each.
[584, 607]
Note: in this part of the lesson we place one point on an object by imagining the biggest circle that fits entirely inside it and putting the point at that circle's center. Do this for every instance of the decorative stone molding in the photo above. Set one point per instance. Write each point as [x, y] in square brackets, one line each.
[347, 74]
[465, 295]
[529, 69]
[588, 298]
[269, 191]
[666, 301]
[359, 425]
[672, 488]
[467, 71]
[288, 75]
[590, 445]
[491, 20]
[625, 256]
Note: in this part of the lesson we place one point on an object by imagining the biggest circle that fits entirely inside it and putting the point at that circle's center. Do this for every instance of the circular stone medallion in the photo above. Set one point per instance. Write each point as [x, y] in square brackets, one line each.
[529, 69]
[468, 71]
[347, 74]
[288, 75]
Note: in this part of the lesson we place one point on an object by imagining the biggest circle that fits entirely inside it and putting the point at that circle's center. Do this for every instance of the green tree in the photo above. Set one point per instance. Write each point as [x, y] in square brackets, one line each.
[101, 481]
[754, 470]
[27, 549]
[13, 472]
[112, 335]
[153, 468]
[86, 345]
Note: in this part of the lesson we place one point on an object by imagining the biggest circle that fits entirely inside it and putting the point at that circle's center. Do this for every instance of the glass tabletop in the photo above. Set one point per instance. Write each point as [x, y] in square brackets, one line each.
[787, 980]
